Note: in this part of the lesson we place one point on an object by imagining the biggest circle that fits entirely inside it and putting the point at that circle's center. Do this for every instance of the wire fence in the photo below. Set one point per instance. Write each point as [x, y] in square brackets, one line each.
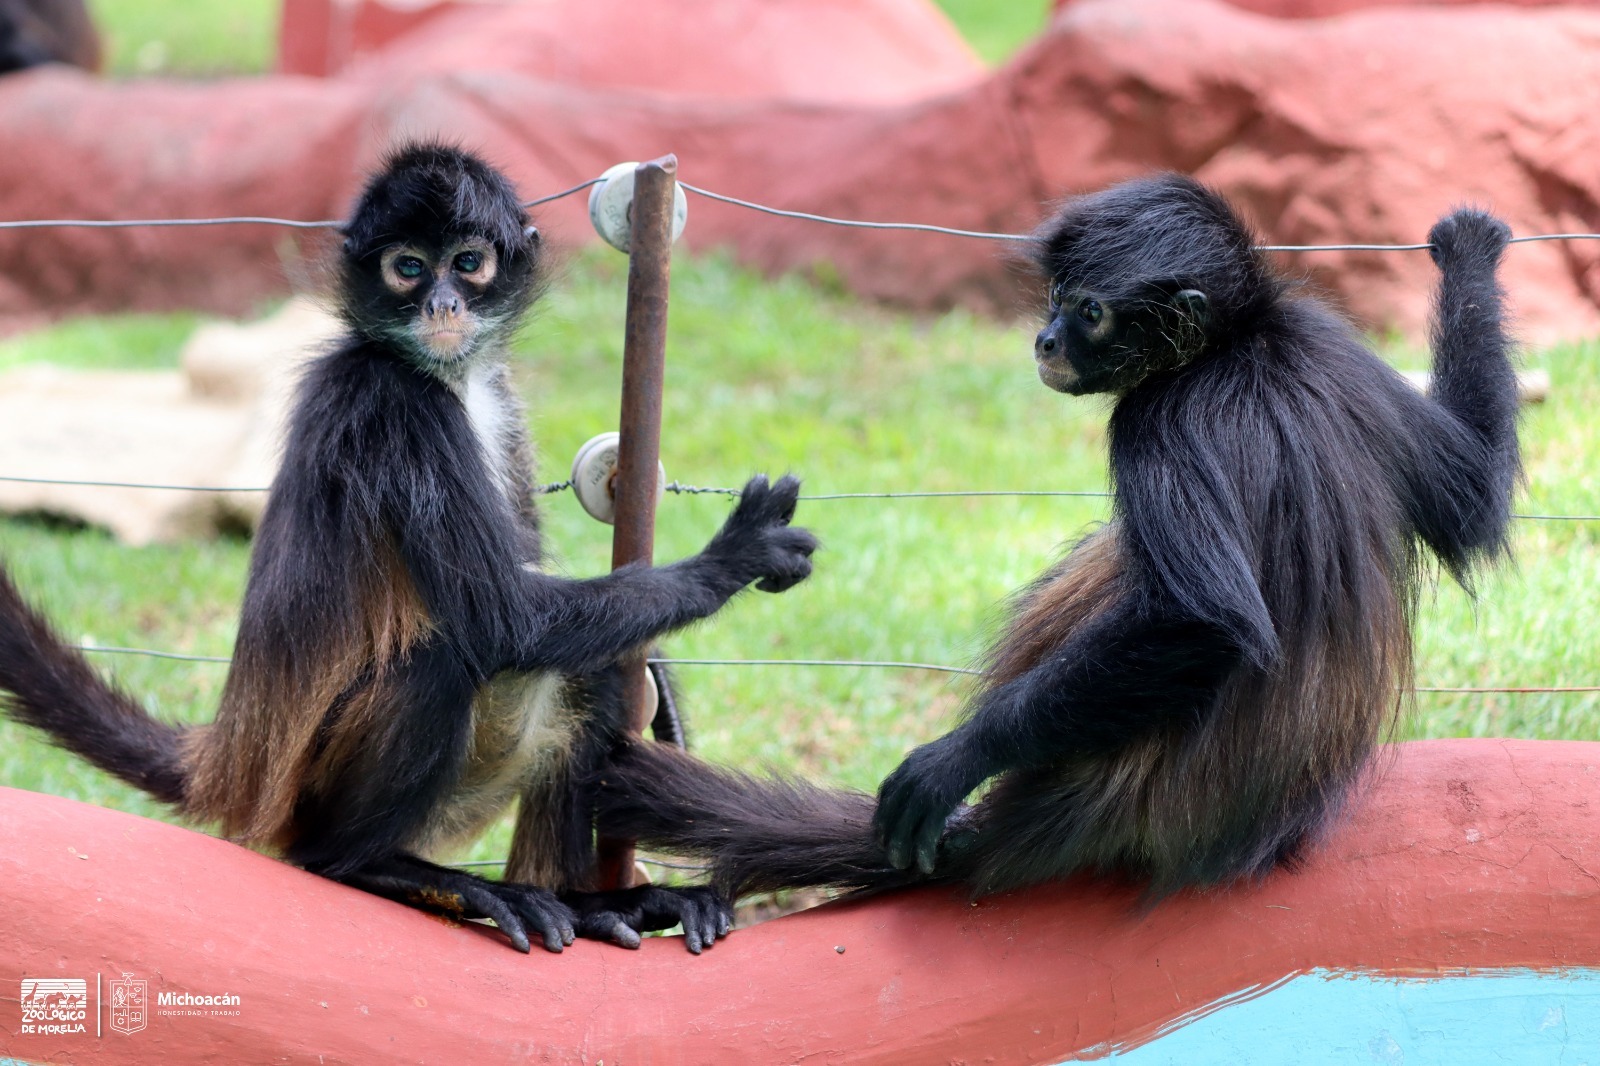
[751, 205]
[680, 488]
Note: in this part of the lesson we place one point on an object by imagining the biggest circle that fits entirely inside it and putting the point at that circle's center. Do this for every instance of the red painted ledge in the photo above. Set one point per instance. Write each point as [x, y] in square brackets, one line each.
[1468, 854]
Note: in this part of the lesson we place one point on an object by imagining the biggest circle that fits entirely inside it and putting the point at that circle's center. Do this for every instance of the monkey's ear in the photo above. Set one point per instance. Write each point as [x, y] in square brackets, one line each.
[1193, 303]
[531, 235]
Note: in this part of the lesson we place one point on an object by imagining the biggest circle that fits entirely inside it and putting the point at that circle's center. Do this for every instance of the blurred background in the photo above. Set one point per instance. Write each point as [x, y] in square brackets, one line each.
[866, 362]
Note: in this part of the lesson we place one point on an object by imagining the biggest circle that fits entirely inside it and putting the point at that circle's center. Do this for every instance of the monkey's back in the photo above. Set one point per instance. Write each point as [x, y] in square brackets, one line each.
[1300, 449]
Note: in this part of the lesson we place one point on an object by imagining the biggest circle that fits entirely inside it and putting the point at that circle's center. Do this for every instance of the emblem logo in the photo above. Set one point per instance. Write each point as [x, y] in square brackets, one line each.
[129, 1004]
[55, 1005]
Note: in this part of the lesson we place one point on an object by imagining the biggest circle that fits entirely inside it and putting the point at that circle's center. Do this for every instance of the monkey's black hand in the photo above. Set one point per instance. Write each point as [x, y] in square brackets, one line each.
[758, 544]
[620, 916]
[917, 799]
[1468, 237]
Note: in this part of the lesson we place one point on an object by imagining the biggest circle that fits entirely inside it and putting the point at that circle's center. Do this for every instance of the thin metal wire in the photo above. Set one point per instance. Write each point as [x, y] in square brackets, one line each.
[582, 185]
[538, 490]
[920, 227]
[129, 484]
[873, 663]
[229, 220]
[1342, 247]
[679, 488]
[807, 216]
[128, 223]
[692, 866]
[1415, 247]
[888, 664]
[106, 650]
[923, 227]
[1497, 688]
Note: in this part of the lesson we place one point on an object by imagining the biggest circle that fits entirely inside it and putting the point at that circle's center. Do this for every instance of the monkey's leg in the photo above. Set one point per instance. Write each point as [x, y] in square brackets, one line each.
[515, 908]
[622, 914]
[555, 842]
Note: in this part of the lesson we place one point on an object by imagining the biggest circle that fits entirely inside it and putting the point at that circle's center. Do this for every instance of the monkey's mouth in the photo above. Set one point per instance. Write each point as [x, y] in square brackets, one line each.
[445, 341]
[1058, 374]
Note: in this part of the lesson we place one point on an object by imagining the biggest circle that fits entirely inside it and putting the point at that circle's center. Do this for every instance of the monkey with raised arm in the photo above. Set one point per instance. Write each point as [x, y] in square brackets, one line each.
[1192, 693]
[403, 670]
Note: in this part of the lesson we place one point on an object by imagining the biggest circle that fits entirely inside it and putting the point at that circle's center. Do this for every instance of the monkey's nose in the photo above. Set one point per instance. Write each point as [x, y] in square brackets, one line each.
[1045, 343]
[450, 306]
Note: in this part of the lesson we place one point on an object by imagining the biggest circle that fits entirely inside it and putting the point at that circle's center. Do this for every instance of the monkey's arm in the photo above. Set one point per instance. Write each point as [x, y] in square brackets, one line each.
[579, 626]
[420, 482]
[1466, 463]
[1126, 672]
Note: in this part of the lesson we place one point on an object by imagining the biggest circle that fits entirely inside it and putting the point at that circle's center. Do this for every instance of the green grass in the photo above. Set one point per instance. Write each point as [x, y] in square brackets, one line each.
[997, 29]
[775, 376]
[182, 37]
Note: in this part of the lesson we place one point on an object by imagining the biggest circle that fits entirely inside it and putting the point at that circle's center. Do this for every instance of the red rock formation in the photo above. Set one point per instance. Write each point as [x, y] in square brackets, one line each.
[1357, 129]
[838, 51]
[1314, 9]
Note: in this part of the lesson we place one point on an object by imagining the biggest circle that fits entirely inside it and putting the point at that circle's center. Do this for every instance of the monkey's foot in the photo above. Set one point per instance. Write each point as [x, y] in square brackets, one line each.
[515, 908]
[621, 915]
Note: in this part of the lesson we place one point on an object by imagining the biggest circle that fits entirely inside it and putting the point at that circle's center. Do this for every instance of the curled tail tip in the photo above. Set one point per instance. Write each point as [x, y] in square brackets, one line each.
[1466, 236]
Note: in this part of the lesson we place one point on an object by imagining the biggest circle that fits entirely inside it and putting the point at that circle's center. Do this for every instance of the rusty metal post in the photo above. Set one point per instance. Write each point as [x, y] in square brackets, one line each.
[644, 358]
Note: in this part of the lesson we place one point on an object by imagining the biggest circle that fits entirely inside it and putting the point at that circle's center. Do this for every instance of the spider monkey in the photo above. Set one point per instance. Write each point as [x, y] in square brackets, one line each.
[403, 669]
[34, 32]
[1191, 693]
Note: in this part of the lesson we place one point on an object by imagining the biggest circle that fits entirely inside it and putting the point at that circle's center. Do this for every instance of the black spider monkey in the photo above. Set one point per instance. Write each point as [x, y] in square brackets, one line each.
[35, 32]
[403, 669]
[1191, 693]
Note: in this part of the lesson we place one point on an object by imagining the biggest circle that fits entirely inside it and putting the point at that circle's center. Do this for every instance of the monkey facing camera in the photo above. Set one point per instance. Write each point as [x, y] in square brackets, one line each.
[404, 670]
[1190, 696]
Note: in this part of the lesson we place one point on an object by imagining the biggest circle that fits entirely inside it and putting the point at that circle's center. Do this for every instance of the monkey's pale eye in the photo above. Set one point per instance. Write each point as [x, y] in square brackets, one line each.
[409, 267]
[469, 262]
[1090, 311]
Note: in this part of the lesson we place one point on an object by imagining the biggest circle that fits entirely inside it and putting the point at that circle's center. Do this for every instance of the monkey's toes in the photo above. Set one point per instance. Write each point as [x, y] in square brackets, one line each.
[540, 910]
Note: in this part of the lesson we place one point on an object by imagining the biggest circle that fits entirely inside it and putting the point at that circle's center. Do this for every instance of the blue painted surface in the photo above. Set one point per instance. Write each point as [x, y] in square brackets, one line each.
[1328, 1018]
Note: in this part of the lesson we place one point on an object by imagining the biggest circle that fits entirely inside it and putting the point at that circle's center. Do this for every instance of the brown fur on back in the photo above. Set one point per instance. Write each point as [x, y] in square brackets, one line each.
[1181, 805]
[1055, 606]
[280, 720]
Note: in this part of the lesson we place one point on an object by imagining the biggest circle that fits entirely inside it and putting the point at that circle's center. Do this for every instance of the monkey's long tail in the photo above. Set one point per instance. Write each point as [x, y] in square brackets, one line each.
[759, 834]
[50, 686]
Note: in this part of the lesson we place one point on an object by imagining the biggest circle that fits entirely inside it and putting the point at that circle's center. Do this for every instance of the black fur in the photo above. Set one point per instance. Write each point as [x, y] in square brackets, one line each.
[52, 688]
[35, 32]
[1191, 695]
[385, 492]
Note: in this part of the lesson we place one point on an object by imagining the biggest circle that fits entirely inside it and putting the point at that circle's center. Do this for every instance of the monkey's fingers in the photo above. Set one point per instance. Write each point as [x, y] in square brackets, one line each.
[786, 497]
[928, 834]
[610, 926]
[792, 549]
[540, 909]
[896, 826]
[484, 901]
[753, 499]
[705, 915]
[701, 911]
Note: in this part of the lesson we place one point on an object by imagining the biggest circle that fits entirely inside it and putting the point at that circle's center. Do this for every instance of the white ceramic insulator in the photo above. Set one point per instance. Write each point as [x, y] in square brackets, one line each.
[594, 472]
[611, 206]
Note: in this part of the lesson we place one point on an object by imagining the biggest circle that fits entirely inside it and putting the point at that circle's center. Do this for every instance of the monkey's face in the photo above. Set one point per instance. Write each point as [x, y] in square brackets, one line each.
[443, 293]
[439, 300]
[1096, 343]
